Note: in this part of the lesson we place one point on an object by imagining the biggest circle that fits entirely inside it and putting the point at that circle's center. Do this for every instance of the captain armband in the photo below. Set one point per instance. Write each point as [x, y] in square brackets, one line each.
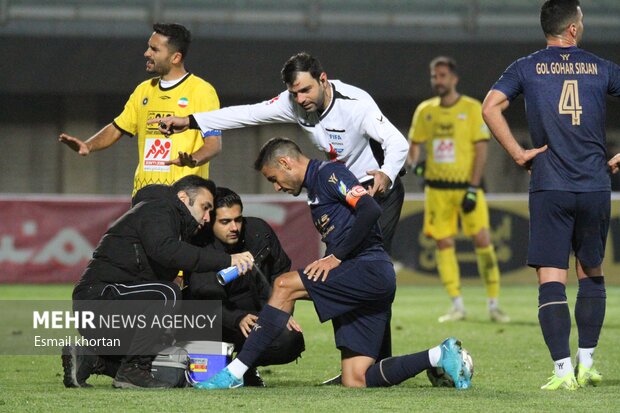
[354, 195]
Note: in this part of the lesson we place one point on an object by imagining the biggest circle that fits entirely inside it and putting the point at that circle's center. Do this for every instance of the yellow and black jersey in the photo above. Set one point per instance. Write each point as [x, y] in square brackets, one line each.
[449, 135]
[150, 100]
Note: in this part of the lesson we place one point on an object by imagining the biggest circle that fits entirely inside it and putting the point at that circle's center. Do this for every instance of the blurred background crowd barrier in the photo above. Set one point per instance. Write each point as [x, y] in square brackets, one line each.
[50, 239]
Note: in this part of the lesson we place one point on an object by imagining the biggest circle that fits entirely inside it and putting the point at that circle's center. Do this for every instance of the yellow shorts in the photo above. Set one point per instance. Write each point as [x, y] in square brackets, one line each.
[442, 209]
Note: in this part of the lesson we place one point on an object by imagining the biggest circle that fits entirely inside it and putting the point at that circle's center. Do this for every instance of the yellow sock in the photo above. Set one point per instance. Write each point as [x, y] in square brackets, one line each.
[488, 269]
[449, 273]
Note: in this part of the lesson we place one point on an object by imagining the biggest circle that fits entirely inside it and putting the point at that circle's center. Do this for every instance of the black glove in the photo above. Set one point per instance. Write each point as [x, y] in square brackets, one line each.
[469, 200]
[419, 168]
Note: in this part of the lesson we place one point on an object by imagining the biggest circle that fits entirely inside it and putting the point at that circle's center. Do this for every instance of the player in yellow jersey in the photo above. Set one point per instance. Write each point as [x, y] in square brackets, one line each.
[175, 91]
[455, 137]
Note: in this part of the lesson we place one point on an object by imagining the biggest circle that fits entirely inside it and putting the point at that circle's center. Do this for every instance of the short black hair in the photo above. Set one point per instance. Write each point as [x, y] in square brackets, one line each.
[557, 15]
[447, 61]
[301, 62]
[275, 148]
[190, 184]
[226, 197]
[179, 38]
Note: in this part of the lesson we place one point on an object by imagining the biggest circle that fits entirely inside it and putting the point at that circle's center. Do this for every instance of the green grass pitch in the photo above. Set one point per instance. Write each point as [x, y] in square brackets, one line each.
[511, 363]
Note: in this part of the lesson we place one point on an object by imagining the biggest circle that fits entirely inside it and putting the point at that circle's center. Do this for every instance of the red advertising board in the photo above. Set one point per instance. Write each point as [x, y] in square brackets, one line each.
[51, 239]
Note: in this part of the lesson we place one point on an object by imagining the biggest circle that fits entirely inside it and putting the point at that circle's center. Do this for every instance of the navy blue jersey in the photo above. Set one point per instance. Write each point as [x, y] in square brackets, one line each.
[331, 197]
[565, 89]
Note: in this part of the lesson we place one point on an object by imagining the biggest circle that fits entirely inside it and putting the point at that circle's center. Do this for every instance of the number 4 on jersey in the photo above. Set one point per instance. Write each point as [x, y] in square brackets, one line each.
[569, 101]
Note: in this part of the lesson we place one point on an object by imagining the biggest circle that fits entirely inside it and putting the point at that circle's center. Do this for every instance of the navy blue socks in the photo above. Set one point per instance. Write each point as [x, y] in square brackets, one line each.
[271, 322]
[590, 310]
[395, 370]
[554, 318]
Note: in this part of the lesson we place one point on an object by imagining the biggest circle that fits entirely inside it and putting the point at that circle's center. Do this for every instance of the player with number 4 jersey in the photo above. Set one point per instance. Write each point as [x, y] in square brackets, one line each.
[565, 89]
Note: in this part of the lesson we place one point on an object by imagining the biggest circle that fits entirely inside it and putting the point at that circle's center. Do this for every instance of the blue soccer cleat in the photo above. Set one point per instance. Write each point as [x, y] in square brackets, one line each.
[453, 363]
[222, 380]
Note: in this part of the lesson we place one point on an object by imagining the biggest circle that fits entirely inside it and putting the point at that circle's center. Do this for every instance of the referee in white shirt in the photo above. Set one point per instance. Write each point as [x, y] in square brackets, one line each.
[342, 120]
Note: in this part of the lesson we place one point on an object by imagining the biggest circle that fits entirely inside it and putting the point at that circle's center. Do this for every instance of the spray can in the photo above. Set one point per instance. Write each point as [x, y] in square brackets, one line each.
[227, 275]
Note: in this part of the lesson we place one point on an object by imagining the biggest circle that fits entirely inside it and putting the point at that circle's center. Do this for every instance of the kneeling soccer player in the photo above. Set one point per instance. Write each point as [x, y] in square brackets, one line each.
[353, 285]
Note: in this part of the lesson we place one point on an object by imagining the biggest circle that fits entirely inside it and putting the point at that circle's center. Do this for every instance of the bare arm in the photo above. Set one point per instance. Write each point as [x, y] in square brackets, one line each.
[211, 148]
[413, 157]
[480, 160]
[103, 139]
[492, 107]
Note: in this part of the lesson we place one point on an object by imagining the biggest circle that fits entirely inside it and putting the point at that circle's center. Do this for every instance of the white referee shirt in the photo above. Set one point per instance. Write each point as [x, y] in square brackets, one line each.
[342, 131]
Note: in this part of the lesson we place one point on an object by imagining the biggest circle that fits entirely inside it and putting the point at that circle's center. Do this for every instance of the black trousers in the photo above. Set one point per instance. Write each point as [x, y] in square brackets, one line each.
[391, 203]
[287, 347]
[149, 299]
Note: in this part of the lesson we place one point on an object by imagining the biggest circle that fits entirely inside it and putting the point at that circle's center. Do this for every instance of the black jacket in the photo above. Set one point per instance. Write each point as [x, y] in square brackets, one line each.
[150, 242]
[249, 292]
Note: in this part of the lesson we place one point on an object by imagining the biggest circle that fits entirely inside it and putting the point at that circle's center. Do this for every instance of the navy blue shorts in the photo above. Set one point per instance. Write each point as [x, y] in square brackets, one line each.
[564, 221]
[357, 296]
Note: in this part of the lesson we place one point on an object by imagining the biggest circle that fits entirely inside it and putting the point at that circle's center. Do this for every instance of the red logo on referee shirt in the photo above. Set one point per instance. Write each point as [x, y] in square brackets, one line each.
[332, 155]
[157, 149]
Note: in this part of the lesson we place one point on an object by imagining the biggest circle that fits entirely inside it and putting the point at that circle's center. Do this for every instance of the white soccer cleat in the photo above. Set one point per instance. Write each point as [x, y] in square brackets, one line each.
[453, 315]
[498, 316]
